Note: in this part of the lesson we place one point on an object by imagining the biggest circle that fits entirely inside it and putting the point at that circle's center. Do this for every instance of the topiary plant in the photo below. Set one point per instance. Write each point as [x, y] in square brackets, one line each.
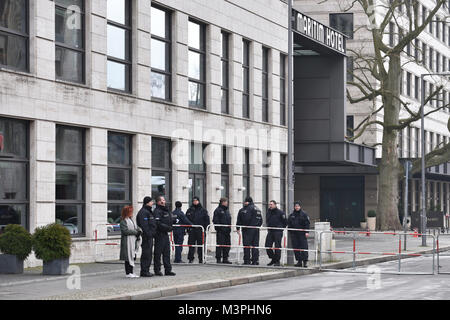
[371, 214]
[16, 240]
[52, 242]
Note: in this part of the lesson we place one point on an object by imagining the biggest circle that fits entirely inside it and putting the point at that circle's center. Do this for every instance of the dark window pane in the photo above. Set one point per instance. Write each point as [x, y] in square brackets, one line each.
[69, 27]
[13, 15]
[118, 184]
[118, 76]
[117, 11]
[69, 183]
[245, 106]
[114, 211]
[224, 100]
[69, 65]
[197, 161]
[119, 43]
[196, 94]
[160, 85]
[71, 217]
[13, 214]
[342, 22]
[119, 149]
[226, 186]
[160, 55]
[224, 72]
[13, 139]
[160, 153]
[13, 181]
[69, 144]
[13, 51]
[158, 22]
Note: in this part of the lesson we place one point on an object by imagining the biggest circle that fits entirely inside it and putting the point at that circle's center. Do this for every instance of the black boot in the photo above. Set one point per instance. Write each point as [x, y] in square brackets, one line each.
[299, 264]
[226, 261]
[305, 264]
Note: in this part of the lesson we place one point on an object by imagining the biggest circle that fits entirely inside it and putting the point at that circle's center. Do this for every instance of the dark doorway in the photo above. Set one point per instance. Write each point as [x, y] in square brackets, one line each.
[342, 201]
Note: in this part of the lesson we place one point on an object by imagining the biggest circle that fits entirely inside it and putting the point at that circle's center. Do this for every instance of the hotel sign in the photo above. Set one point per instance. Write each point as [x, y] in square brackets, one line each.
[319, 32]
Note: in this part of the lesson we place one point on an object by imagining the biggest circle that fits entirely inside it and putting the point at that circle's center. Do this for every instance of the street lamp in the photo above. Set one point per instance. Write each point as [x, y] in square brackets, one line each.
[423, 215]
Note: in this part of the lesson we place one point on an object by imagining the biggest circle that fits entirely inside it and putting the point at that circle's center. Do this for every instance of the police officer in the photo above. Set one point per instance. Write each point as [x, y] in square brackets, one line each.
[199, 216]
[179, 232]
[275, 218]
[146, 221]
[222, 216]
[162, 243]
[250, 215]
[299, 219]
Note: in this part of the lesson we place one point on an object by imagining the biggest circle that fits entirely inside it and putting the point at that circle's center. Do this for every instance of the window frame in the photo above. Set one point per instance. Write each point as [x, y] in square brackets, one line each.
[203, 57]
[337, 14]
[225, 61]
[246, 48]
[82, 51]
[15, 33]
[265, 84]
[166, 170]
[81, 165]
[168, 42]
[26, 162]
[283, 92]
[128, 63]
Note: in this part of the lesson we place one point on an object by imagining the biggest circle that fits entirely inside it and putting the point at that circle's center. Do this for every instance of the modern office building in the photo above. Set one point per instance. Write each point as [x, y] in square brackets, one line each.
[104, 102]
[343, 196]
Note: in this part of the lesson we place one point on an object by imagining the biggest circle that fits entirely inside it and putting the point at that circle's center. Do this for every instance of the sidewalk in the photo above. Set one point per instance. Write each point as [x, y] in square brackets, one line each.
[107, 280]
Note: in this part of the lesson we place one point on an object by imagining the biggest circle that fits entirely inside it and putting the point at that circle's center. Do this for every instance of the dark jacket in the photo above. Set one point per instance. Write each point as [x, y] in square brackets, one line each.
[163, 219]
[145, 220]
[276, 218]
[198, 216]
[298, 220]
[222, 216]
[180, 218]
[249, 216]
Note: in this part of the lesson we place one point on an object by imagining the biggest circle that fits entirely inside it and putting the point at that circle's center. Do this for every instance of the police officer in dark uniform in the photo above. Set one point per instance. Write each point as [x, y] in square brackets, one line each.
[198, 216]
[162, 243]
[222, 216]
[299, 219]
[179, 232]
[275, 218]
[250, 215]
[146, 221]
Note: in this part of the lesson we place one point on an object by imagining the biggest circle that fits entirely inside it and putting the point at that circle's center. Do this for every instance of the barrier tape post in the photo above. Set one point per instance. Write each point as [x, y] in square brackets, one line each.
[399, 252]
[354, 249]
[192, 245]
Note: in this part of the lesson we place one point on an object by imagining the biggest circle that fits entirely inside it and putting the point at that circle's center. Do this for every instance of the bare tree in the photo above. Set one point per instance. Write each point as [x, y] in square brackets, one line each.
[377, 77]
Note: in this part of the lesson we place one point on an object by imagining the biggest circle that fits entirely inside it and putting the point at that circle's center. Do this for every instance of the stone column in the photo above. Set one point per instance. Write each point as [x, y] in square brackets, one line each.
[42, 35]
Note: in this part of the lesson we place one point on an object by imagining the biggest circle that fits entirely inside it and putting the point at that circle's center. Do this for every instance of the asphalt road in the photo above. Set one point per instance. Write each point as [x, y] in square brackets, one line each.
[345, 285]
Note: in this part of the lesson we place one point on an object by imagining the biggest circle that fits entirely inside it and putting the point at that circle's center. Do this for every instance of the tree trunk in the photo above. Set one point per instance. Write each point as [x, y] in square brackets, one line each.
[387, 210]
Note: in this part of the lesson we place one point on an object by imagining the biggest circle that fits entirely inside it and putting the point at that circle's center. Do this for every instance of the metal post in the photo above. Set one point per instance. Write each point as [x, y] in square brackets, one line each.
[423, 216]
[290, 171]
[405, 214]
[399, 252]
[354, 251]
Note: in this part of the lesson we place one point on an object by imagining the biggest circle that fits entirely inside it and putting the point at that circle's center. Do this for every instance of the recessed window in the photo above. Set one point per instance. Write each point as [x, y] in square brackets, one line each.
[283, 95]
[161, 76]
[265, 84]
[14, 164]
[14, 34]
[246, 78]
[70, 178]
[342, 22]
[119, 45]
[197, 64]
[225, 67]
[119, 175]
[161, 169]
[69, 40]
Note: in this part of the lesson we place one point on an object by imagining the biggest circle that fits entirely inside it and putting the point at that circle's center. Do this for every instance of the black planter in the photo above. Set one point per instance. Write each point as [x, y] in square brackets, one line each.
[56, 267]
[9, 263]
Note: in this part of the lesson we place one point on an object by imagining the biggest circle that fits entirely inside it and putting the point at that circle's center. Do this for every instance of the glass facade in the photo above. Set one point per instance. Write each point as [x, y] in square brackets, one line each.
[342, 22]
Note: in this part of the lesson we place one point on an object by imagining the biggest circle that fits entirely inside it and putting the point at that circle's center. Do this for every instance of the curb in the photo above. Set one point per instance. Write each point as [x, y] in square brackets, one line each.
[207, 285]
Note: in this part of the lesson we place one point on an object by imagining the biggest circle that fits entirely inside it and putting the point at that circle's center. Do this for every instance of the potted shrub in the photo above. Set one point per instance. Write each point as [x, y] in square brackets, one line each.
[363, 224]
[15, 244]
[371, 220]
[52, 243]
